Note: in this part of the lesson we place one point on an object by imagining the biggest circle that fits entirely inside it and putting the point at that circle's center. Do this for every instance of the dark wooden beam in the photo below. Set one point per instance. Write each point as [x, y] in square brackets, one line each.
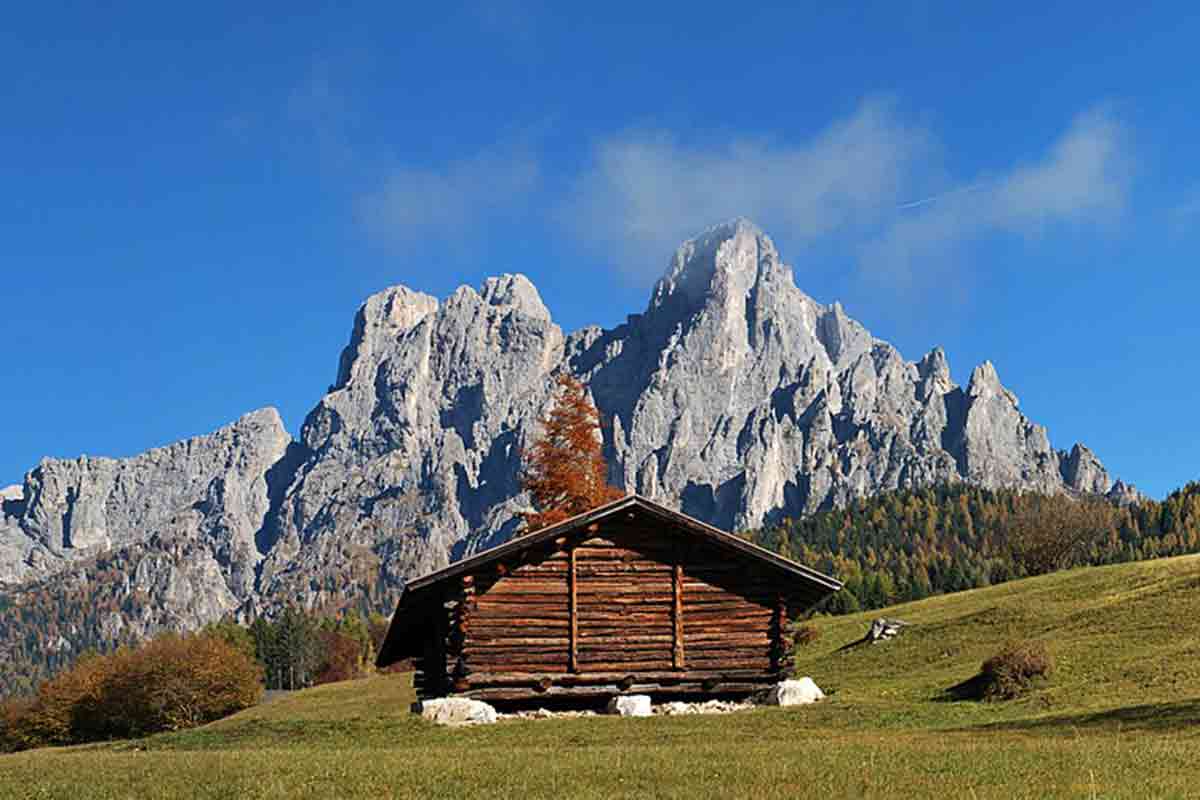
[779, 633]
[572, 612]
[677, 655]
[601, 690]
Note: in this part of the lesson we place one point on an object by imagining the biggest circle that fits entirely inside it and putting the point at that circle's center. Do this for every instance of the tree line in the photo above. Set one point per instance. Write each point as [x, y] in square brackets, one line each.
[911, 544]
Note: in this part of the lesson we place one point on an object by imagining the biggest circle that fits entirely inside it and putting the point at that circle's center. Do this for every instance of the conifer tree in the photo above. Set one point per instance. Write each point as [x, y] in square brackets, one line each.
[564, 471]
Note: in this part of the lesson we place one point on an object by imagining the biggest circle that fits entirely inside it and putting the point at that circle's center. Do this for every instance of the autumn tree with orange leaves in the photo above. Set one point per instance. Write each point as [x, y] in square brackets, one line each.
[564, 471]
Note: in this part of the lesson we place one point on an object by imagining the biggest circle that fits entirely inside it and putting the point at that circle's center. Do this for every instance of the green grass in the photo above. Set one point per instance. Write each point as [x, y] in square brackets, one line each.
[1119, 718]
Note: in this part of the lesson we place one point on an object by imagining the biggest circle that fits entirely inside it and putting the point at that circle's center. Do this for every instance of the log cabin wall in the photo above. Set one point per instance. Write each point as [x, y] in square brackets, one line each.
[521, 619]
[623, 605]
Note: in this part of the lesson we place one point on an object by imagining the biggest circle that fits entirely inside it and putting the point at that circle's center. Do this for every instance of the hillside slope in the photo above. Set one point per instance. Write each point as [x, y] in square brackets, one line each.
[1125, 639]
[1120, 719]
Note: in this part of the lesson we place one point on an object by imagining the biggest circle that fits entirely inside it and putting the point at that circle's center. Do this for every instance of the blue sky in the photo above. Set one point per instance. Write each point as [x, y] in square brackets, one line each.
[196, 199]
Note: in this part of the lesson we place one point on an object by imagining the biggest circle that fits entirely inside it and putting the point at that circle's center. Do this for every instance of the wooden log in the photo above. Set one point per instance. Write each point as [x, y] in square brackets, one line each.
[486, 613]
[726, 616]
[529, 662]
[607, 690]
[479, 643]
[630, 666]
[618, 581]
[643, 627]
[523, 584]
[657, 592]
[617, 639]
[632, 619]
[599, 607]
[762, 639]
[708, 594]
[597, 541]
[590, 569]
[733, 627]
[763, 663]
[544, 572]
[758, 644]
[648, 555]
[486, 634]
[532, 599]
[738, 613]
[489, 621]
[632, 651]
[697, 595]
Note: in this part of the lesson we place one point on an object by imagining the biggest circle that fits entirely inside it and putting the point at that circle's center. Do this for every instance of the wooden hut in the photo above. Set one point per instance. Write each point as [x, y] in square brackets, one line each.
[628, 598]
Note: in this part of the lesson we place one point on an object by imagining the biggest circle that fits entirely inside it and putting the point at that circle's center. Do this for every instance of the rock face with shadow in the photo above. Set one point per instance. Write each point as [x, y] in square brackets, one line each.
[734, 396]
[413, 456]
[214, 487]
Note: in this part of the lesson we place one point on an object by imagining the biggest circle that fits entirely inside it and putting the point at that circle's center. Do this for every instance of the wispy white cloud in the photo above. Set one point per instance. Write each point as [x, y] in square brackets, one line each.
[322, 115]
[1083, 179]
[865, 179]
[647, 191]
[451, 200]
[394, 198]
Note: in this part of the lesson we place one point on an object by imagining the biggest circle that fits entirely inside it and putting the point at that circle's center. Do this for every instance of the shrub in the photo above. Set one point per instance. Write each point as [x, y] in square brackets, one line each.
[1012, 671]
[177, 682]
[170, 683]
[341, 658]
[14, 725]
[807, 634]
[1046, 534]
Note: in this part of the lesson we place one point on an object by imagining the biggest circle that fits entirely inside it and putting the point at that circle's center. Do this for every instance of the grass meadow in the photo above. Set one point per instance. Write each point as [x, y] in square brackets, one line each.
[1120, 718]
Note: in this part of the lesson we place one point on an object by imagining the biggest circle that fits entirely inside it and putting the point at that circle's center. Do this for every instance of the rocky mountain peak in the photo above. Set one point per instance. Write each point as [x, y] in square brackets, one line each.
[516, 292]
[985, 384]
[721, 264]
[935, 366]
[1125, 494]
[1083, 471]
[844, 339]
[383, 318]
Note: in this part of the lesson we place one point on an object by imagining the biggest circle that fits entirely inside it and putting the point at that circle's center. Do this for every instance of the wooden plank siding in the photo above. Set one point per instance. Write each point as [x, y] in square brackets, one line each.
[638, 599]
[620, 601]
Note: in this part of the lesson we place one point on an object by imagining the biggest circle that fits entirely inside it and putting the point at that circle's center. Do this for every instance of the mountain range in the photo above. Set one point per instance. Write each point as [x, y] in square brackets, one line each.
[734, 397]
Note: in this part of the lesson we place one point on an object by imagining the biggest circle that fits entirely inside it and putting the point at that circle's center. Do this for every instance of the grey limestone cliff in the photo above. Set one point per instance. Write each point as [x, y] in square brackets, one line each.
[213, 487]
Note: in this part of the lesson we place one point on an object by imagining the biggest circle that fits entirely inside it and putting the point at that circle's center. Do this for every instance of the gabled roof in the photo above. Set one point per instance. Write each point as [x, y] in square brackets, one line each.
[416, 591]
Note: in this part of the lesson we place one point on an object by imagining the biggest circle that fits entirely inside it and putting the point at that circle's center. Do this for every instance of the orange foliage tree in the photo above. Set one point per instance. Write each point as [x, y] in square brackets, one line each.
[564, 471]
[170, 683]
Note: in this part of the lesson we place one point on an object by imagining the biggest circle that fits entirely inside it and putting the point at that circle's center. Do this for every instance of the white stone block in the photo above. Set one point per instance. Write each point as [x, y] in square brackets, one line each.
[458, 711]
[794, 693]
[630, 705]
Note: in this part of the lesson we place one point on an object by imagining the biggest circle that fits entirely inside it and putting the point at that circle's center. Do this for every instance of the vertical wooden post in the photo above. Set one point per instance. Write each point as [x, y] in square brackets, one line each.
[779, 634]
[573, 611]
[458, 635]
[677, 656]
